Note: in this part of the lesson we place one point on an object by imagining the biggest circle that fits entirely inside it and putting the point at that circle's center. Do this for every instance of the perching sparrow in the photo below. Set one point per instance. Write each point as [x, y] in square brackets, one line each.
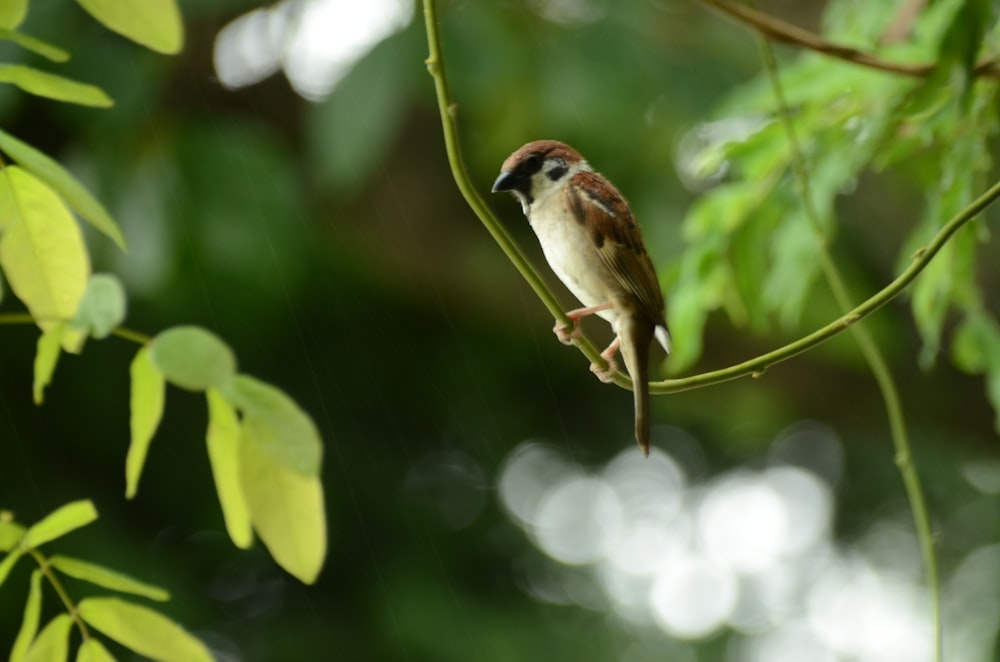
[593, 243]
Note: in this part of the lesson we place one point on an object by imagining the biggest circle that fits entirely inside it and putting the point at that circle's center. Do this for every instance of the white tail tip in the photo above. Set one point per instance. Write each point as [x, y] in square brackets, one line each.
[663, 336]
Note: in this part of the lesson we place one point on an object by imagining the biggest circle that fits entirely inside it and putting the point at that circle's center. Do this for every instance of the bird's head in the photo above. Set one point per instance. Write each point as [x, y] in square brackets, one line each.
[538, 169]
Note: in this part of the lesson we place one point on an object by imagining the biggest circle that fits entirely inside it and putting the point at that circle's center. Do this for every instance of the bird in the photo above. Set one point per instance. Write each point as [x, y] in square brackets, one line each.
[591, 240]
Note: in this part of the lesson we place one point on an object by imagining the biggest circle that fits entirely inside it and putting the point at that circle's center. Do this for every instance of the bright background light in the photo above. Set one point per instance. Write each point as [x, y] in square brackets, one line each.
[751, 551]
[315, 42]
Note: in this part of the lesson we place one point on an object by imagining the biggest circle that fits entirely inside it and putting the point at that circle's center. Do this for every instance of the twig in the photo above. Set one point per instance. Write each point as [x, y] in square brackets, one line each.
[43, 564]
[775, 29]
[122, 332]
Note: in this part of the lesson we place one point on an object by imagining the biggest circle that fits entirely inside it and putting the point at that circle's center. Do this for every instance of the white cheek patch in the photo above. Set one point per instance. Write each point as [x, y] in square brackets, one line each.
[524, 200]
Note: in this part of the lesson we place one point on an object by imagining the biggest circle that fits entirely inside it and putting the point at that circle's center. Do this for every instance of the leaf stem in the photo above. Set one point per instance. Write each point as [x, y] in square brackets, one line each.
[122, 332]
[43, 564]
[869, 349]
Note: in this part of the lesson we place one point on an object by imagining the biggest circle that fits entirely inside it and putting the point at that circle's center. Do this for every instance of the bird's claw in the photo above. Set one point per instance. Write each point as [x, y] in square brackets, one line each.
[606, 375]
[567, 333]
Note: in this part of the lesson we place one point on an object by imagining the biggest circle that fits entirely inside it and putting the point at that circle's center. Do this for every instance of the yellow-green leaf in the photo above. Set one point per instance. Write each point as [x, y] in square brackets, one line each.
[41, 251]
[192, 358]
[223, 438]
[103, 306]
[93, 650]
[146, 402]
[10, 534]
[8, 564]
[101, 576]
[62, 182]
[12, 13]
[52, 644]
[286, 508]
[48, 85]
[29, 624]
[143, 630]
[33, 44]
[46, 357]
[60, 522]
[156, 24]
[280, 429]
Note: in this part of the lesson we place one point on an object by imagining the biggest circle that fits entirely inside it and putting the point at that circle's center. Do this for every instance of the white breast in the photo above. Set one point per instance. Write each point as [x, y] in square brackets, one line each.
[571, 253]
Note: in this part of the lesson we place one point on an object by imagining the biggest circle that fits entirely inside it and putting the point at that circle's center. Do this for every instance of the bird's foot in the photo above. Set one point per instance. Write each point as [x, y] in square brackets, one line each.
[567, 333]
[607, 375]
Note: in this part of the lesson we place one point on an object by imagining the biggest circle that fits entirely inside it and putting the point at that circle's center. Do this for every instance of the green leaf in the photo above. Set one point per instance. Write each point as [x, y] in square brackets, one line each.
[12, 12]
[143, 630]
[102, 309]
[976, 349]
[286, 508]
[52, 644]
[961, 44]
[278, 427]
[52, 173]
[41, 251]
[10, 534]
[794, 267]
[33, 44]
[976, 343]
[112, 579]
[687, 320]
[223, 453]
[146, 405]
[55, 87]
[8, 564]
[57, 524]
[156, 24]
[46, 357]
[93, 650]
[944, 282]
[193, 358]
[32, 614]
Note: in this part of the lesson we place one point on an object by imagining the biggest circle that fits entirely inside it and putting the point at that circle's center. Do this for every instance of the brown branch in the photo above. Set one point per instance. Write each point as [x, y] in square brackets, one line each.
[776, 30]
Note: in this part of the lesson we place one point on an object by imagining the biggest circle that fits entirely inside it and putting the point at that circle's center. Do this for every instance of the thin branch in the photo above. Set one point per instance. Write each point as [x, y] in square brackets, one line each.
[122, 332]
[43, 564]
[753, 367]
[131, 335]
[775, 29]
[869, 349]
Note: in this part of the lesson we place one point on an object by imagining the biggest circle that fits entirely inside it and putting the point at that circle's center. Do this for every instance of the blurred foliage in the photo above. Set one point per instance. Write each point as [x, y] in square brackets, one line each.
[326, 242]
[753, 253]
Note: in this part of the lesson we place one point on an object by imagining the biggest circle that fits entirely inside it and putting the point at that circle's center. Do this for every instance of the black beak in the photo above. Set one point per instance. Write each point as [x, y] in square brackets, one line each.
[507, 181]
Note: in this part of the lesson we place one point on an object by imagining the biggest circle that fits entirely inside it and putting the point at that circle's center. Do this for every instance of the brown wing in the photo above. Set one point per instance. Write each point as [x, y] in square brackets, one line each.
[618, 239]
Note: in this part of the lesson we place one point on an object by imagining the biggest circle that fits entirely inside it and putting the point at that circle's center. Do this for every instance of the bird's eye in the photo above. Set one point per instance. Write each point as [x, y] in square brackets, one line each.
[532, 164]
[557, 171]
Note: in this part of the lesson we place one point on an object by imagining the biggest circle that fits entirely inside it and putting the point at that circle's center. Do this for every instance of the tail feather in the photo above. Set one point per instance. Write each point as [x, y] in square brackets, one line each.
[636, 334]
[663, 337]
